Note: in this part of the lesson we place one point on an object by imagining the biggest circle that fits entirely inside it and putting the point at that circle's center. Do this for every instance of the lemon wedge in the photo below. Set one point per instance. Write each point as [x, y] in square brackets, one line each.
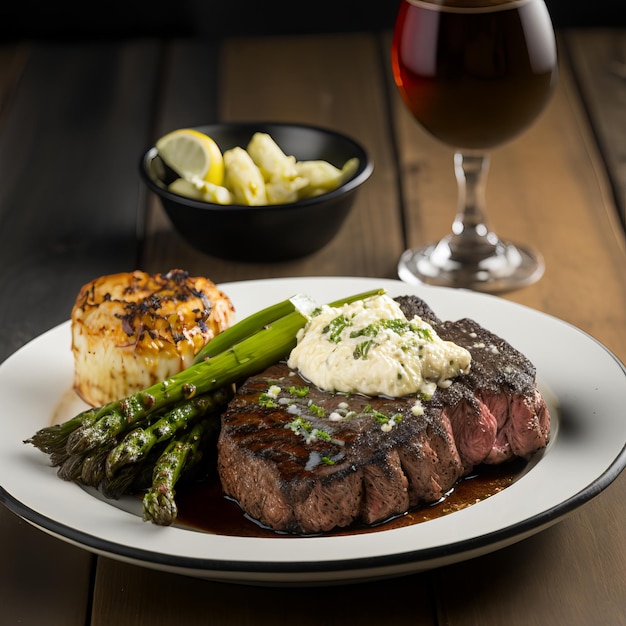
[192, 155]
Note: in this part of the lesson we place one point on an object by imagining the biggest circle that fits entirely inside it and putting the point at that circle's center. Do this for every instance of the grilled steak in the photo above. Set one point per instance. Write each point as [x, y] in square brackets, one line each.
[301, 460]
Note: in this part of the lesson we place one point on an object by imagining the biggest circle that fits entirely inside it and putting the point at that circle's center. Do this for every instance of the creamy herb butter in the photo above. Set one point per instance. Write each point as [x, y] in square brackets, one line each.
[370, 347]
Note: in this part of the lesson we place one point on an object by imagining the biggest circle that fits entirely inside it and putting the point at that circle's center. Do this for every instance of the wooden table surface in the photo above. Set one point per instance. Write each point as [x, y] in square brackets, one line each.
[74, 119]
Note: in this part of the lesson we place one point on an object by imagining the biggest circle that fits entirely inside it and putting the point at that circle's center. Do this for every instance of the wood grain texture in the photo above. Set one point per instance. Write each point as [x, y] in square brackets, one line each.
[72, 132]
[599, 59]
[572, 573]
[12, 60]
[130, 595]
[70, 129]
[42, 579]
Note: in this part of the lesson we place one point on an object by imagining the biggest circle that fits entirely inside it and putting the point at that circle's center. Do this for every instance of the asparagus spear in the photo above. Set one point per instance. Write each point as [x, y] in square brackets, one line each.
[133, 478]
[159, 504]
[70, 469]
[53, 439]
[109, 421]
[245, 328]
[137, 443]
[92, 471]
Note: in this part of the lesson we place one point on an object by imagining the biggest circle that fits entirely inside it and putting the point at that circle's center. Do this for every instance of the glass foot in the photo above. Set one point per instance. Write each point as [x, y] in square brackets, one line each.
[503, 268]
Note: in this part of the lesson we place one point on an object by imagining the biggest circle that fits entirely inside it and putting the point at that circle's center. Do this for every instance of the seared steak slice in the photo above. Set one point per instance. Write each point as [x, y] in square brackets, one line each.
[495, 410]
[310, 463]
[290, 478]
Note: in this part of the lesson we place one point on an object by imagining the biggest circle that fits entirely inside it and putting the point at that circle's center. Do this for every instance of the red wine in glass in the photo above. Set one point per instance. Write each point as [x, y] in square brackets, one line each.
[474, 74]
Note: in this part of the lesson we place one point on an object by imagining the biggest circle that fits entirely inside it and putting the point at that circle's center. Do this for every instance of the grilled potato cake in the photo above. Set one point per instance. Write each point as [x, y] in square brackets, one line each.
[133, 329]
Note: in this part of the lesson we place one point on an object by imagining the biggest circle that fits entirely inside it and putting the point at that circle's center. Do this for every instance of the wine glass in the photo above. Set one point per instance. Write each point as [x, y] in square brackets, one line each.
[474, 74]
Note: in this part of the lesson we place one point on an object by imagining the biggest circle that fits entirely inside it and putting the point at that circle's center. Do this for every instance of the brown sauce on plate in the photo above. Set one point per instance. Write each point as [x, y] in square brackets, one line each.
[203, 506]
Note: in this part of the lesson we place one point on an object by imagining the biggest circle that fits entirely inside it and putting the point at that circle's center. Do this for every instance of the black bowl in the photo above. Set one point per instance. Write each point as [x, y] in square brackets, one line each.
[264, 233]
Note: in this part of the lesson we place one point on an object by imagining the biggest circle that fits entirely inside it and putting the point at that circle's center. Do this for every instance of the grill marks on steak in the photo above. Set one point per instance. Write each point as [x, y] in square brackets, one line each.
[358, 471]
[361, 473]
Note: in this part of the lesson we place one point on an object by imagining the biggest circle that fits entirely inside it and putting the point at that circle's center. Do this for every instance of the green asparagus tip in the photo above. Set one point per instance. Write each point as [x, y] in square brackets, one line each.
[159, 508]
[52, 439]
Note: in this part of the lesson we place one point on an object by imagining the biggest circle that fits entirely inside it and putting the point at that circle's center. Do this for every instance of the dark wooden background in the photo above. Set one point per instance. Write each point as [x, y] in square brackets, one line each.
[216, 18]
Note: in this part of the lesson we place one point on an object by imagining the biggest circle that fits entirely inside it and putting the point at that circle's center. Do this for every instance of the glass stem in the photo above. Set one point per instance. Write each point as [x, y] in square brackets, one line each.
[472, 235]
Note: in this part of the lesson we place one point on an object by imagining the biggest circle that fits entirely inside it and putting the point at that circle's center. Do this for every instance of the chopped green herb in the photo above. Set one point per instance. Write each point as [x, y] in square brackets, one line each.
[421, 331]
[381, 417]
[335, 327]
[321, 434]
[362, 349]
[303, 427]
[397, 326]
[300, 425]
[267, 400]
[317, 410]
[371, 330]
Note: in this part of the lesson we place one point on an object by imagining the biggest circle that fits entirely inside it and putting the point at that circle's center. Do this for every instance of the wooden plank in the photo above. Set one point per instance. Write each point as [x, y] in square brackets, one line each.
[572, 573]
[571, 218]
[42, 580]
[598, 57]
[332, 81]
[12, 60]
[129, 595]
[69, 196]
[36, 569]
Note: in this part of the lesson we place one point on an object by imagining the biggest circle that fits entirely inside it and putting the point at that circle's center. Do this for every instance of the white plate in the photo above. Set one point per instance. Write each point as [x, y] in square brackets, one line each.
[584, 383]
